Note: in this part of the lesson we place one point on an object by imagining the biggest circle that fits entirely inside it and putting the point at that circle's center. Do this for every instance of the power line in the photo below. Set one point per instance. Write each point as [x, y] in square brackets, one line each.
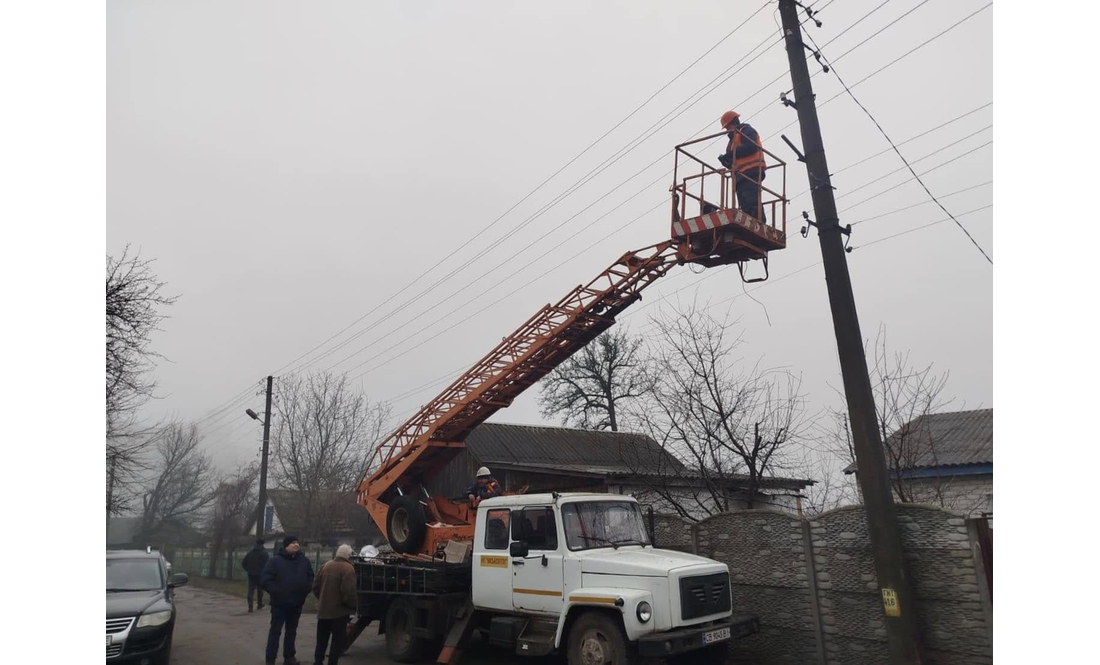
[901, 156]
[902, 168]
[949, 218]
[909, 140]
[529, 194]
[921, 203]
[827, 4]
[838, 36]
[908, 180]
[587, 178]
[426, 328]
[886, 66]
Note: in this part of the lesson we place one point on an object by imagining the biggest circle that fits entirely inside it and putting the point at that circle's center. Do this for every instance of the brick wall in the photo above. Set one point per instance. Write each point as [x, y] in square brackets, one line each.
[812, 583]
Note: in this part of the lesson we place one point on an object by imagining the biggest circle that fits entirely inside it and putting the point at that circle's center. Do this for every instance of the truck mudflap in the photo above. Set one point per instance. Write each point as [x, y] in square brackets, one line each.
[696, 637]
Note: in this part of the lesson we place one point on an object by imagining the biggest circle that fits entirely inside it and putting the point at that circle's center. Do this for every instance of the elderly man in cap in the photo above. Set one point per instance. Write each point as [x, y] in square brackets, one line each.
[335, 589]
[287, 579]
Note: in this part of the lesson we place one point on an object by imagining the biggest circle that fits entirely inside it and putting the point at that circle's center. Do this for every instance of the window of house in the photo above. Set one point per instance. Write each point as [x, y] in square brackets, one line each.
[537, 527]
[496, 529]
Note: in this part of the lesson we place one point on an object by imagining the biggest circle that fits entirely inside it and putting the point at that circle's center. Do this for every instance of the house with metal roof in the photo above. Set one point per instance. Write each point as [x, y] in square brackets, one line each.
[944, 459]
[544, 459]
[323, 518]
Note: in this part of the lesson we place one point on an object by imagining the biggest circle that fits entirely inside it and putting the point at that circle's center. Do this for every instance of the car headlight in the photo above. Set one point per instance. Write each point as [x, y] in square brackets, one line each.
[154, 619]
[645, 612]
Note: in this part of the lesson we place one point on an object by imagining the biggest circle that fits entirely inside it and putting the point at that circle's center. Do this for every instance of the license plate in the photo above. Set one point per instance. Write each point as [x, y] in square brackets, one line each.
[108, 640]
[713, 636]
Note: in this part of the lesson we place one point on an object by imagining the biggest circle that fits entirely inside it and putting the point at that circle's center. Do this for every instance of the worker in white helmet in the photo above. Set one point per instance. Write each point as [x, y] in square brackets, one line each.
[483, 488]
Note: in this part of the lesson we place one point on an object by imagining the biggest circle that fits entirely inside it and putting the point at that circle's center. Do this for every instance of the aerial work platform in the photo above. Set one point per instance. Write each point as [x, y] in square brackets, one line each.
[705, 213]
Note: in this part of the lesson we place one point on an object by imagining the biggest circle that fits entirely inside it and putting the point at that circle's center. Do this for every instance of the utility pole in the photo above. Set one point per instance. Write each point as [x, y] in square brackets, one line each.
[263, 462]
[874, 481]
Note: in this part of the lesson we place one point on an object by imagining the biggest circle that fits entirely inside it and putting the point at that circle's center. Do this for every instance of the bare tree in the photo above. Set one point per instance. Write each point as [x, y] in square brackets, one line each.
[831, 489]
[904, 394]
[134, 303]
[233, 504]
[591, 389]
[322, 438]
[182, 487]
[732, 427]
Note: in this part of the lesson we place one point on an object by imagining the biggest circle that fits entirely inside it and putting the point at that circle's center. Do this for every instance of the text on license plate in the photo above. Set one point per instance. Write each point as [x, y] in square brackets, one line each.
[716, 635]
[108, 640]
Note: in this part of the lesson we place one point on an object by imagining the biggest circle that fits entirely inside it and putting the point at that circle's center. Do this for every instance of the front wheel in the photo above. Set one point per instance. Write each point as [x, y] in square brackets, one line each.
[598, 639]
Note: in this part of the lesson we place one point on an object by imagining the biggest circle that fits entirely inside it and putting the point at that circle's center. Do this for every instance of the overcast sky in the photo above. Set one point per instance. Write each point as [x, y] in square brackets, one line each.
[290, 167]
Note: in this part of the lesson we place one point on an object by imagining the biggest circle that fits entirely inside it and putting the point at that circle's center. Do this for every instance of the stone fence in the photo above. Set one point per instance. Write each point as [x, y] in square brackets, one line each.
[812, 583]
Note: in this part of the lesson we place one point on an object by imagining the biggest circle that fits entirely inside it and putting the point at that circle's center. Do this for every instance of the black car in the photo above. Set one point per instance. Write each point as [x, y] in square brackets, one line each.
[141, 612]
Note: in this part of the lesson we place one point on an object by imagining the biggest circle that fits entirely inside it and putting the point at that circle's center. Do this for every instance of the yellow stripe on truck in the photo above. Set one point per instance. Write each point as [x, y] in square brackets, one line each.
[591, 599]
[538, 592]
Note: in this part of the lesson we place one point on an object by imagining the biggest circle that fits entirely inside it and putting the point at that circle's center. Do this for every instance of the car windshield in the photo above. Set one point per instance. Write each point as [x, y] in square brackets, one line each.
[590, 524]
[134, 575]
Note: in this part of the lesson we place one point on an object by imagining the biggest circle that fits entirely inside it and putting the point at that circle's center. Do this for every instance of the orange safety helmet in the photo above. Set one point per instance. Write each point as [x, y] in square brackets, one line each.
[728, 117]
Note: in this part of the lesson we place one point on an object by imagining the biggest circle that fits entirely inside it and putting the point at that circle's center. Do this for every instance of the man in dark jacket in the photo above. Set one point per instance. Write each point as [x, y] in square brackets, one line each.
[486, 486]
[253, 564]
[335, 588]
[287, 579]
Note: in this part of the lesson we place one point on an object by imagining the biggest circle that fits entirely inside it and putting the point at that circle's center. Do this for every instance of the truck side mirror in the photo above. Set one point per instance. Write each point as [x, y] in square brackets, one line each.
[519, 550]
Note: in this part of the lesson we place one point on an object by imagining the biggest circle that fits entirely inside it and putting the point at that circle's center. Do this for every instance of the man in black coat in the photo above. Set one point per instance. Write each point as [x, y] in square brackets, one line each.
[287, 579]
[253, 564]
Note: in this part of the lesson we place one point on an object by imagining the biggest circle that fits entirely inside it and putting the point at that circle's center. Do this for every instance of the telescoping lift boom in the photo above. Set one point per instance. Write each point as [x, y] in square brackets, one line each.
[396, 493]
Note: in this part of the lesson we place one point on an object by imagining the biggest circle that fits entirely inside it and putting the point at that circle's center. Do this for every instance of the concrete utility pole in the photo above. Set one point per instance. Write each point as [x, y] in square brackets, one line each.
[263, 462]
[897, 598]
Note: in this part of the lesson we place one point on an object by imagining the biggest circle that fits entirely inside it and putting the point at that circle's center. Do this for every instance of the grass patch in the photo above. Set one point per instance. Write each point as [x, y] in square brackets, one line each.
[239, 588]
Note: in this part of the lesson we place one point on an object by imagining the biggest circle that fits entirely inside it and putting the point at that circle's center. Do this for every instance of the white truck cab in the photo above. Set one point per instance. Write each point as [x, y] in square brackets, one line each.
[582, 567]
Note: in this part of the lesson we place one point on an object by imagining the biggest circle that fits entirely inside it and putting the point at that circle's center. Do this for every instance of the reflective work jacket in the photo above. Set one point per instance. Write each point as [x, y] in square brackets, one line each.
[491, 489]
[747, 149]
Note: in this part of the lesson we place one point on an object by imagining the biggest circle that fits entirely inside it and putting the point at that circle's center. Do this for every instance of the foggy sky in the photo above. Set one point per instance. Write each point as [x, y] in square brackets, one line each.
[290, 167]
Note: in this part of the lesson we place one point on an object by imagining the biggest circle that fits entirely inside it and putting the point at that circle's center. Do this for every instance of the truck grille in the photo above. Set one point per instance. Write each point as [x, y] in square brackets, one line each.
[704, 595]
[118, 625]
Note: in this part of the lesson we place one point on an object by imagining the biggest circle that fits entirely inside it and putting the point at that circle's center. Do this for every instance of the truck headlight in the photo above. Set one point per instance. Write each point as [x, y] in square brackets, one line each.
[645, 612]
[154, 619]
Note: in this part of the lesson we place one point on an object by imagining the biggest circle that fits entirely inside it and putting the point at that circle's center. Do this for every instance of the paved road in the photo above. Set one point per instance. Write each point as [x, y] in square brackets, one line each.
[216, 628]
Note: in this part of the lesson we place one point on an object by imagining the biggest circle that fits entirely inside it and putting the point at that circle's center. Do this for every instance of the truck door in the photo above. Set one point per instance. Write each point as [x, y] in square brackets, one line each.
[492, 564]
[537, 579]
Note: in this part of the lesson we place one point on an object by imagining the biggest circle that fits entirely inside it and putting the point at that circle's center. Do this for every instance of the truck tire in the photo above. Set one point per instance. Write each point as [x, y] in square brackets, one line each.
[401, 644]
[406, 524]
[714, 654]
[597, 638]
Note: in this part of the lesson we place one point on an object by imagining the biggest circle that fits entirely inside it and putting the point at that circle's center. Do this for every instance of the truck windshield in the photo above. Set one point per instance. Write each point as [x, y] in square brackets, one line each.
[591, 524]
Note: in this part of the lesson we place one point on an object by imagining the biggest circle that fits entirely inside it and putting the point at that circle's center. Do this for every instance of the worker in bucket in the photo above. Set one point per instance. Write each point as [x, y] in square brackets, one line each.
[483, 488]
[745, 157]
